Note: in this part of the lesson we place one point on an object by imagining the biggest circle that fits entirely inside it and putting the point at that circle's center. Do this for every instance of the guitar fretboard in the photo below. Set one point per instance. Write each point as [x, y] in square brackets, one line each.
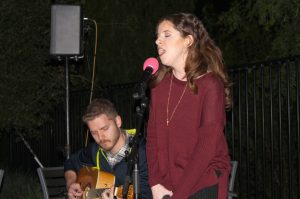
[94, 193]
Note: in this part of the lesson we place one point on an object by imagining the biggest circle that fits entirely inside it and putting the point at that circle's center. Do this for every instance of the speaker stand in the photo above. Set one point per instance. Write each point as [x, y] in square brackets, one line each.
[67, 103]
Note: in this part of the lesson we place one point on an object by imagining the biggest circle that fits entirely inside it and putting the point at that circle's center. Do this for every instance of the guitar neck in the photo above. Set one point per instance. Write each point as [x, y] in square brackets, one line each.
[93, 194]
[94, 182]
[118, 192]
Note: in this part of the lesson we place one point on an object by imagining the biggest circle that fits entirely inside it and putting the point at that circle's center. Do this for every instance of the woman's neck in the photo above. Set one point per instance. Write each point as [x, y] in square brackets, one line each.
[179, 74]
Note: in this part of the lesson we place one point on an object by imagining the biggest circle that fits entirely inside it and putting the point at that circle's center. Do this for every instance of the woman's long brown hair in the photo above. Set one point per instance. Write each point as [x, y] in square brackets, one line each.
[203, 54]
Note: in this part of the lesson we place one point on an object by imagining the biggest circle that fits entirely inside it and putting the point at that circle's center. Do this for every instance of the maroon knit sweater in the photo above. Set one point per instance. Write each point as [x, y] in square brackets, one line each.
[184, 156]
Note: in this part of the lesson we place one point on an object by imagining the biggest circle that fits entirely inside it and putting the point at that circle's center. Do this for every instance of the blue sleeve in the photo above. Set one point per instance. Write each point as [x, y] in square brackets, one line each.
[83, 157]
[145, 191]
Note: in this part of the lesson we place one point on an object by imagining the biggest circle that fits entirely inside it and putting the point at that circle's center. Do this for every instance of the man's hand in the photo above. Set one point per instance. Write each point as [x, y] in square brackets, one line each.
[108, 193]
[74, 191]
[159, 191]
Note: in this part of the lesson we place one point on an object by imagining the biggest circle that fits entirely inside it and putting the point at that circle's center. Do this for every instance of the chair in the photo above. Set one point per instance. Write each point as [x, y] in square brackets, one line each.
[1, 176]
[52, 182]
[231, 194]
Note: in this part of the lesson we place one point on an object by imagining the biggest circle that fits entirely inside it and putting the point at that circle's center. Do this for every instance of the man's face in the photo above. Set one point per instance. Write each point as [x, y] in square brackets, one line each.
[105, 131]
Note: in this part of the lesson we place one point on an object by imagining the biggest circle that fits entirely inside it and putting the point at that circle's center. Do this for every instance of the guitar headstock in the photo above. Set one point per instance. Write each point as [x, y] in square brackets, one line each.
[119, 192]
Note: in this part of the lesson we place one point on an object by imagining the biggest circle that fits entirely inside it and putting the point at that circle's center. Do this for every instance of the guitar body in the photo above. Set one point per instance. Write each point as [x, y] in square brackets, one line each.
[93, 182]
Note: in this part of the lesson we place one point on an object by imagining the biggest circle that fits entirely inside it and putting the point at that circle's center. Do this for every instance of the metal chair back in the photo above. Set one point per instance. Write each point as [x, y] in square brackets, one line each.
[52, 182]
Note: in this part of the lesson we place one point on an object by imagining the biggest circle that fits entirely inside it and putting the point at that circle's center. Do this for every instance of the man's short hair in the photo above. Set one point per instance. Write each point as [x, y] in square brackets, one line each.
[98, 107]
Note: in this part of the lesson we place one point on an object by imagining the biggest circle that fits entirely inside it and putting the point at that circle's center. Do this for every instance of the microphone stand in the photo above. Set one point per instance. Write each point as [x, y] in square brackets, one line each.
[132, 158]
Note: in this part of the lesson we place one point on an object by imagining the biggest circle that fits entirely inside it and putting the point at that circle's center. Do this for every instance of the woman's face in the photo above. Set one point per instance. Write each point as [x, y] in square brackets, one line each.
[172, 48]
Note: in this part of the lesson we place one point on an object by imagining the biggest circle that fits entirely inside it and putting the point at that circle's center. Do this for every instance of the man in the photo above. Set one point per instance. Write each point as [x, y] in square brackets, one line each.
[108, 151]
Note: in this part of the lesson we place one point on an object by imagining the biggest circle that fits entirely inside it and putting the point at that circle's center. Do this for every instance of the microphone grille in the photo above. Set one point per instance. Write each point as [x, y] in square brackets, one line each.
[151, 62]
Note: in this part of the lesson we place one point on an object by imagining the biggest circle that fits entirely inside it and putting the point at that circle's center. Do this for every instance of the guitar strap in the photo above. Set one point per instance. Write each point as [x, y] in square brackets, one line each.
[100, 150]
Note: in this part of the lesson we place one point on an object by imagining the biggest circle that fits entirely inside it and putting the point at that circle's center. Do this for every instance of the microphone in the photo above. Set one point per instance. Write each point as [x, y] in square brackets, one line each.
[150, 67]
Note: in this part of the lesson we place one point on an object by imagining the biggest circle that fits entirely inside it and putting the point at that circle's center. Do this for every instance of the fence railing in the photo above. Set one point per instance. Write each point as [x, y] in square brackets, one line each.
[263, 129]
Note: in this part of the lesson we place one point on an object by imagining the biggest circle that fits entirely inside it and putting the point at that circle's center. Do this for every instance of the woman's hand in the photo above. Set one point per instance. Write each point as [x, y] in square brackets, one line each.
[159, 191]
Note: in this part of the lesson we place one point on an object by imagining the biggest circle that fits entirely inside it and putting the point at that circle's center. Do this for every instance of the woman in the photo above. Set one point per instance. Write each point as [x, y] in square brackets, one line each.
[187, 151]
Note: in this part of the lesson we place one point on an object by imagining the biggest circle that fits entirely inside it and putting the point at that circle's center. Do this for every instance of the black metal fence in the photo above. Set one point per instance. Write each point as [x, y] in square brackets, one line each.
[50, 146]
[263, 129]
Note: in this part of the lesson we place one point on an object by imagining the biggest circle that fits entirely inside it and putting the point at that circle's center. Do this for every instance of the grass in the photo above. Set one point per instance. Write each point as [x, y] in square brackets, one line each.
[20, 184]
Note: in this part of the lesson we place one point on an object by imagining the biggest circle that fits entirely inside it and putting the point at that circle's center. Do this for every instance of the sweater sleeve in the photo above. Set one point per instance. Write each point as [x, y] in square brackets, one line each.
[151, 146]
[210, 130]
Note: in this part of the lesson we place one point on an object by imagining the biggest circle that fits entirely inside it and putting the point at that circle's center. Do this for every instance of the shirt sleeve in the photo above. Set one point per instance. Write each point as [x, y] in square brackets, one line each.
[145, 191]
[210, 131]
[84, 157]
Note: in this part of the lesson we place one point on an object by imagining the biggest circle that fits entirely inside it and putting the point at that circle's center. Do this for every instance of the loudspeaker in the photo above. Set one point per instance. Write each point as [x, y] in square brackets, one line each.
[66, 30]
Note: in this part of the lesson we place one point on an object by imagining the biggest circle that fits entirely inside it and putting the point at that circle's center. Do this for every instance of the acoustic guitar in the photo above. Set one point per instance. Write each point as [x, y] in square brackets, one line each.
[93, 182]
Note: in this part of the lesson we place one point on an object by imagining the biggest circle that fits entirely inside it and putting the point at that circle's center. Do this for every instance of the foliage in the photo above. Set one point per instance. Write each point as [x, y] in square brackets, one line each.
[246, 31]
[20, 184]
[251, 31]
[127, 35]
[30, 85]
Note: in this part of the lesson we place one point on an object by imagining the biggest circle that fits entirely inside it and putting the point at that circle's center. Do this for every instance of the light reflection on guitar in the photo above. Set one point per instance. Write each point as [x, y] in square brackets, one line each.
[93, 182]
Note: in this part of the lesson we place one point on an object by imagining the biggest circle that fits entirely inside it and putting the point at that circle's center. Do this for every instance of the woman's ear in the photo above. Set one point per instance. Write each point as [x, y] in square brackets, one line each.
[189, 40]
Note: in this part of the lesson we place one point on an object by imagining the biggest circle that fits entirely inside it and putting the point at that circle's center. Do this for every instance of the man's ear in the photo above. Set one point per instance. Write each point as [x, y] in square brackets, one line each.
[118, 121]
[189, 40]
